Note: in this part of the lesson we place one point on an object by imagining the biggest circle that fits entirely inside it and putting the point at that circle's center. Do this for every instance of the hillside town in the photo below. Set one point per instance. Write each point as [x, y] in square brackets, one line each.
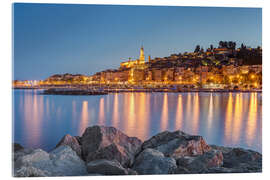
[217, 68]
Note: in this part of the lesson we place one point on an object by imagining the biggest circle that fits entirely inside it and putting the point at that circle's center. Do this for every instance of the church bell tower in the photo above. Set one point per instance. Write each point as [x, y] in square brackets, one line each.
[142, 57]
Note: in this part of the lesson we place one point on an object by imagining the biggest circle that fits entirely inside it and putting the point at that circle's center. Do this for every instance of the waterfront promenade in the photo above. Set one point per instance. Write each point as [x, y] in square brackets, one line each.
[103, 90]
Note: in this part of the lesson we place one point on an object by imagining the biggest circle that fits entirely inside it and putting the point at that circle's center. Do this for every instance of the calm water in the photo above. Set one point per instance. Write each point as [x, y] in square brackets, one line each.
[230, 119]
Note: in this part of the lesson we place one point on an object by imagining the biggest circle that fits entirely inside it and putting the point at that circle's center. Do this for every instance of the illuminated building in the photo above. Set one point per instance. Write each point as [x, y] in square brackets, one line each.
[138, 63]
[142, 57]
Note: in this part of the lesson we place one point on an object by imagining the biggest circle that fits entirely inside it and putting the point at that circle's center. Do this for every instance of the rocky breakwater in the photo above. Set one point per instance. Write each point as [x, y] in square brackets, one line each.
[70, 91]
[107, 151]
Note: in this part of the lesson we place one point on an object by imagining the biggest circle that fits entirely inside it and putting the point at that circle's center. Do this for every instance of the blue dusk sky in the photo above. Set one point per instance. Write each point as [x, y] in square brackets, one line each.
[58, 38]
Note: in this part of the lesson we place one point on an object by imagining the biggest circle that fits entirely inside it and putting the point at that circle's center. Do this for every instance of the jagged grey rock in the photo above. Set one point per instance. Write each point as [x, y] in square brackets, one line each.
[62, 161]
[100, 142]
[106, 167]
[177, 144]
[235, 160]
[151, 161]
[71, 142]
[200, 163]
[240, 160]
[22, 152]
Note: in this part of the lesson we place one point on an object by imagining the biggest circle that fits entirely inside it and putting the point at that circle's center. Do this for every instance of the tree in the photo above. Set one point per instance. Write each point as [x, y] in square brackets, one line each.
[232, 45]
[221, 44]
[197, 49]
[211, 47]
[225, 44]
[243, 46]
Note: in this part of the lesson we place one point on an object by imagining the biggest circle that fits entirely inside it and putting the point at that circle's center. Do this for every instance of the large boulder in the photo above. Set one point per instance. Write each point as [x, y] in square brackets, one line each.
[106, 167]
[239, 160]
[19, 151]
[151, 161]
[72, 142]
[62, 161]
[177, 144]
[199, 163]
[100, 142]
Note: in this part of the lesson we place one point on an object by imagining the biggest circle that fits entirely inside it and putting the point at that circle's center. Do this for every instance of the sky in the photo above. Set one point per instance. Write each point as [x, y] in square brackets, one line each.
[60, 38]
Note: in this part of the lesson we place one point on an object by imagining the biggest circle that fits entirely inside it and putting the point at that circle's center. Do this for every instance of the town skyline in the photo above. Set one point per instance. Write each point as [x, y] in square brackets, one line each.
[146, 59]
[49, 41]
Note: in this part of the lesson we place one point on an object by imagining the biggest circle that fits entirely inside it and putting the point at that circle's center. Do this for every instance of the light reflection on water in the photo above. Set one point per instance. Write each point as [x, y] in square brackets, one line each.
[179, 113]
[164, 116]
[84, 116]
[229, 119]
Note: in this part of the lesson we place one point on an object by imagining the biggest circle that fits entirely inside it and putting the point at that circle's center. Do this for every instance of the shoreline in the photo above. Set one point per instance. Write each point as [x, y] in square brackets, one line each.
[70, 91]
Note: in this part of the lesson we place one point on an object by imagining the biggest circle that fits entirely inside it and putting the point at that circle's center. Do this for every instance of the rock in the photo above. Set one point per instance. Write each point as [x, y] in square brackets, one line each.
[71, 142]
[18, 151]
[151, 161]
[181, 170]
[30, 171]
[21, 152]
[238, 160]
[185, 161]
[238, 155]
[62, 161]
[65, 159]
[222, 148]
[17, 147]
[33, 164]
[243, 160]
[211, 159]
[79, 139]
[131, 172]
[235, 160]
[177, 144]
[200, 163]
[106, 167]
[225, 170]
[108, 151]
[99, 142]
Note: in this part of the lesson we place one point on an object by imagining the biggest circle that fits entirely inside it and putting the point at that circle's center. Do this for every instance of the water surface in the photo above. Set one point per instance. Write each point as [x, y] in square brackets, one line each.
[229, 119]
